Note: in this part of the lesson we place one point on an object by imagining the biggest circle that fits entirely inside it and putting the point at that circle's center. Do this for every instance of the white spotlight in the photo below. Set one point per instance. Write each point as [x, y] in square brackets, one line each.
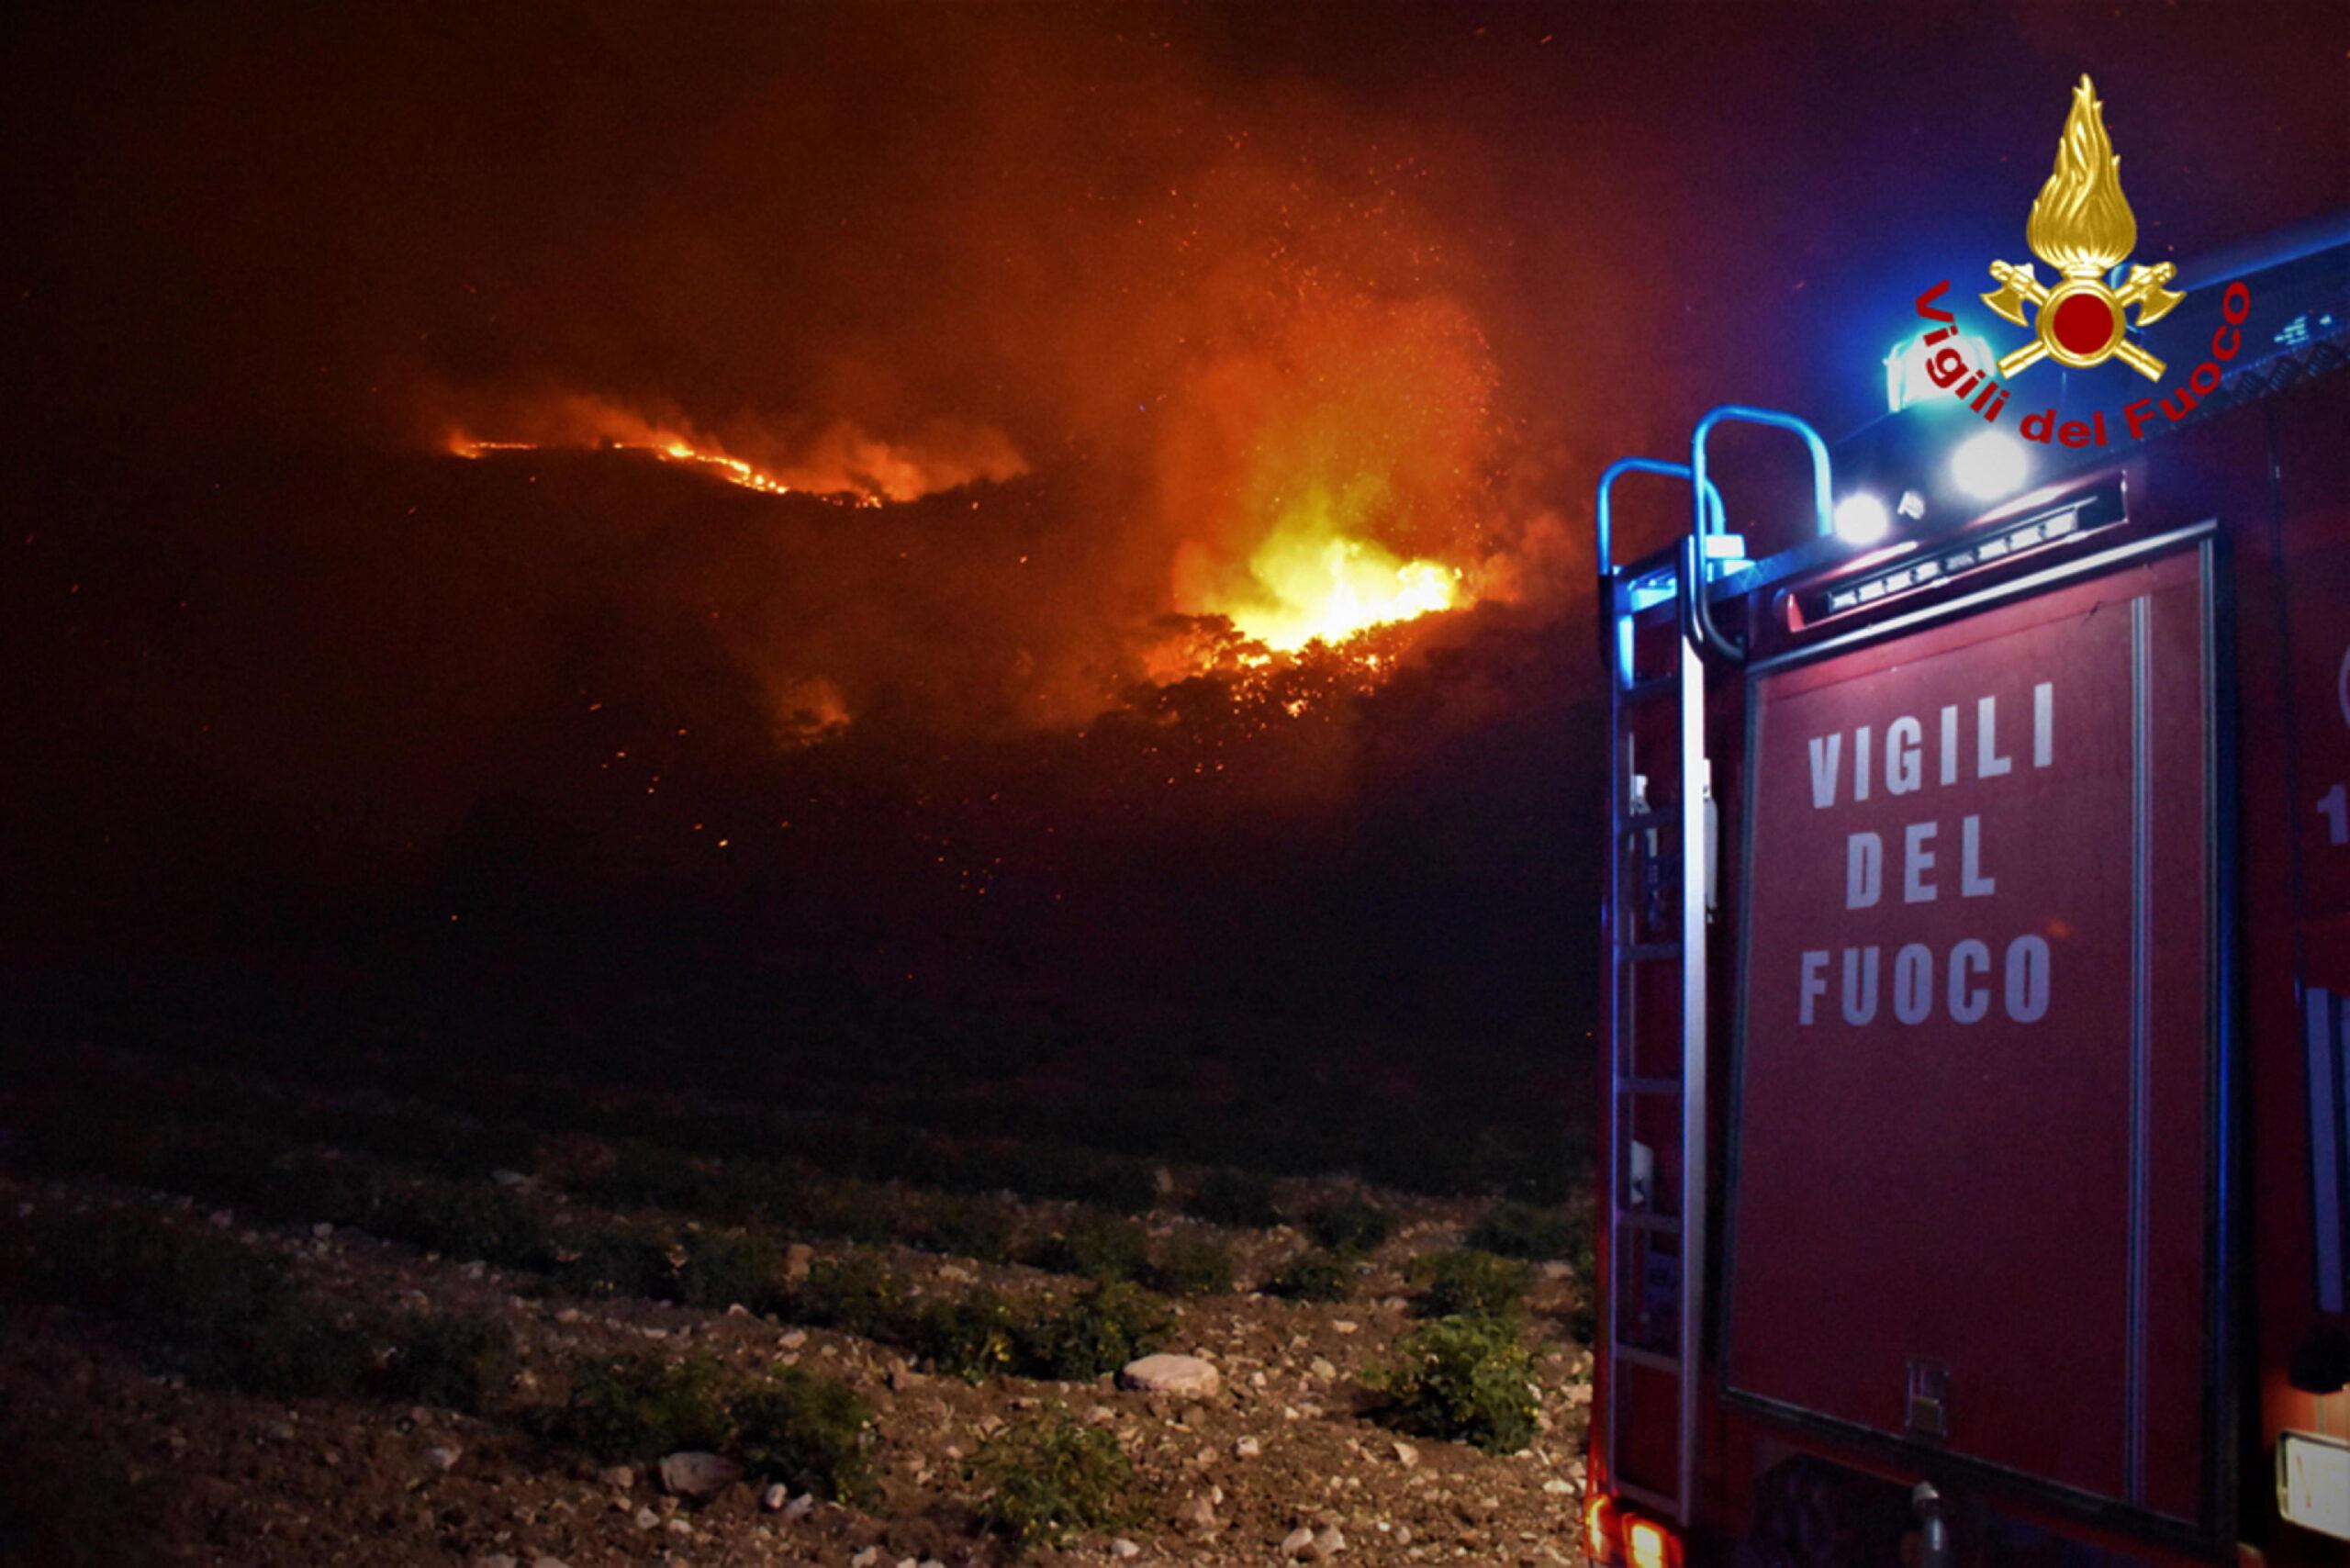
[1860, 518]
[1990, 466]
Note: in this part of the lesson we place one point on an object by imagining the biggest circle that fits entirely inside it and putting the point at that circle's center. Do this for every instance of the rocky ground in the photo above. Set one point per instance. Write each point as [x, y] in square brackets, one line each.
[1255, 1436]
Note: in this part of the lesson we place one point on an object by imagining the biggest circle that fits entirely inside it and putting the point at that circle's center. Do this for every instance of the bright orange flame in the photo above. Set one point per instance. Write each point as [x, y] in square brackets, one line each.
[1650, 1546]
[669, 449]
[1318, 577]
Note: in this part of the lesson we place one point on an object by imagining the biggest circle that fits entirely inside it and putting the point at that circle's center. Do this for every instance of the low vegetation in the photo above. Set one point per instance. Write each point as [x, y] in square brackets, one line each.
[1049, 1479]
[1469, 1282]
[1465, 1379]
[1350, 1225]
[790, 1425]
[1318, 1275]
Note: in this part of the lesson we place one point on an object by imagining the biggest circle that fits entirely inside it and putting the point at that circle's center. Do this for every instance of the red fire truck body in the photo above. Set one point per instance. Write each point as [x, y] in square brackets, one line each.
[1975, 1174]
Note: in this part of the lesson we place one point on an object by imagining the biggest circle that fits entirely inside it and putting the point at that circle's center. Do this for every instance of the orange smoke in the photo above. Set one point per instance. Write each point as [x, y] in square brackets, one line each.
[1341, 470]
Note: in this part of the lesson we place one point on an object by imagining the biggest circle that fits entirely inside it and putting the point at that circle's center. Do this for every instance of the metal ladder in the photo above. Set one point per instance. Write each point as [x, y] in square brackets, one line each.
[1639, 833]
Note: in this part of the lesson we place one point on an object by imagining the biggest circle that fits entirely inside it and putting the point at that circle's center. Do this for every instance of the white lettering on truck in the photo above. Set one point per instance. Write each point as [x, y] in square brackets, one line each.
[1961, 979]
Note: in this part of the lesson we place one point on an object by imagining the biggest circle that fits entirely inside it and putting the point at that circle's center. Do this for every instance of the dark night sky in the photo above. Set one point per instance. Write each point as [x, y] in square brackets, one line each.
[272, 653]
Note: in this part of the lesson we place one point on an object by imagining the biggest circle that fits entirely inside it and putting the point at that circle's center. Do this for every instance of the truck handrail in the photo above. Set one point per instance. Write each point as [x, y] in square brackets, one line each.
[1696, 612]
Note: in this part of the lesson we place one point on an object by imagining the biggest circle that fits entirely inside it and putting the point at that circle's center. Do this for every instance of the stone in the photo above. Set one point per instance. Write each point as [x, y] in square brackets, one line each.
[549, 1562]
[801, 1506]
[1186, 1377]
[1247, 1448]
[494, 1560]
[1297, 1544]
[1329, 1542]
[774, 1497]
[1196, 1514]
[619, 1477]
[1407, 1455]
[1322, 1370]
[647, 1519]
[1123, 1549]
[443, 1459]
[693, 1473]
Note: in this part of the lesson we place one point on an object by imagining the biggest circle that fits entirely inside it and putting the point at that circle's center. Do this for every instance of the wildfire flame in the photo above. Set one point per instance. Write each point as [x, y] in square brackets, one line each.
[673, 449]
[1312, 581]
[2081, 223]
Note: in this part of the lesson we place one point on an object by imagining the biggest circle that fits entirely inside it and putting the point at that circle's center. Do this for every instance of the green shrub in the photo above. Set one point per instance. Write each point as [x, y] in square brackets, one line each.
[967, 1227]
[462, 1360]
[465, 1220]
[1048, 1480]
[1313, 1276]
[808, 1432]
[1192, 1265]
[856, 1292]
[1098, 1247]
[1097, 1333]
[637, 1407]
[1468, 1281]
[199, 1298]
[972, 1337]
[1464, 1379]
[1226, 1196]
[617, 1261]
[724, 1267]
[1350, 1225]
[1522, 1230]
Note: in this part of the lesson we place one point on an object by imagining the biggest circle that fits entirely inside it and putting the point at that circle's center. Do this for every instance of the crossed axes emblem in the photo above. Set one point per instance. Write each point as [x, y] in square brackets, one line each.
[2080, 322]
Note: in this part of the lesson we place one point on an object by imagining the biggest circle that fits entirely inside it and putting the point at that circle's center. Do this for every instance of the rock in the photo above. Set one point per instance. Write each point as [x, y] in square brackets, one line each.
[1329, 1542]
[619, 1477]
[794, 1340]
[443, 1459]
[549, 1562]
[1247, 1448]
[1340, 1325]
[801, 1506]
[1323, 1371]
[696, 1474]
[774, 1497]
[1297, 1544]
[867, 1558]
[1183, 1376]
[509, 1178]
[1407, 1455]
[1122, 1548]
[797, 1259]
[494, 1560]
[323, 1229]
[1196, 1514]
[647, 1519]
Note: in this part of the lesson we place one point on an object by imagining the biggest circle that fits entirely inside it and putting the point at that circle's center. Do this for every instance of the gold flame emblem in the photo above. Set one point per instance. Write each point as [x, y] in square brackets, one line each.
[2082, 225]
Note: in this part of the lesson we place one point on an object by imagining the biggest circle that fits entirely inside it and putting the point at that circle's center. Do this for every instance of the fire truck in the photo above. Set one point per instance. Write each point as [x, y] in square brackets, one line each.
[1974, 1176]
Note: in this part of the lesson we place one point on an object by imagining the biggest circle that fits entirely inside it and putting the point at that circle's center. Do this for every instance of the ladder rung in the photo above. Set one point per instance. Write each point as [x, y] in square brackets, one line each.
[1648, 690]
[1650, 952]
[1662, 1225]
[1648, 1359]
[1649, 1085]
[1651, 822]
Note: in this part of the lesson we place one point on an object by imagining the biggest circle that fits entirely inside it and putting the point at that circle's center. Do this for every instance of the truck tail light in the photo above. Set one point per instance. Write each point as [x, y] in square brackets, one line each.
[1598, 1527]
[1647, 1544]
[1612, 1536]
